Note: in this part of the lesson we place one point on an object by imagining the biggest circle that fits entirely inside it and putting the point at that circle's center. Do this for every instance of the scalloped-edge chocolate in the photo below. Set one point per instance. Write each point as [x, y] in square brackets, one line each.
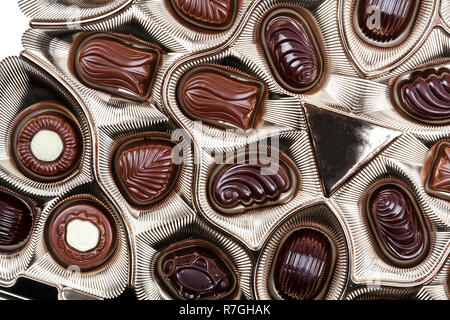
[397, 224]
[144, 168]
[214, 15]
[220, 97]
[46, 142]
[291, 50]
[122, 66]
[196, 270]
[436, 170]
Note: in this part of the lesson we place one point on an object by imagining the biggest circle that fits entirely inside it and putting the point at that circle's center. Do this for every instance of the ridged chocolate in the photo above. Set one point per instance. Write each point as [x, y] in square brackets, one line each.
[303, 265]
[395, 16]
[209, 14]
[145, 170]
[119, 66]
[242, 186]
[396, 223]
[220, 97]
[16, 220]
[426, 96]
[291, 50]
[440, 173]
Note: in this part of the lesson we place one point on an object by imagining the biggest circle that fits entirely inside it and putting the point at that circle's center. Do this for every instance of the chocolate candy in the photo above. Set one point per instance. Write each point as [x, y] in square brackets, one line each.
[291, 50]
[220, 97]
[46, 142]
[16, 220]
[216, 15]
[303, 266]
[196, 270]
[122, 66]
[238, 187]
[397, 224]
[426, 96]
[81, 233]
[394, 18]
[144, 169]
[436, 170]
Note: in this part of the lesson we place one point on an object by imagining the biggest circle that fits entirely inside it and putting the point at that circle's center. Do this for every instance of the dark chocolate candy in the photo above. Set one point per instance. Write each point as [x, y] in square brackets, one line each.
[394, 15]
[426, 96]
[16, 220]
[220, 97]
[216, 15]
[291, 50]
[437, 170]
[303, 266]
[397, 224]
[121, 66]
[145, 170]
[81, 233]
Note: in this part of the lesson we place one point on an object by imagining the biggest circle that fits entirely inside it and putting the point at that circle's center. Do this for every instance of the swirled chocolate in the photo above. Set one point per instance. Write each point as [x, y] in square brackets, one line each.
[16, 220]
[426, 95]
[385, 20]
[46, 143]
[291, 50]
[263, 181]
[117, 65]
[220, 97]
[437, 170]
[145, 170]
[397, 224]
[303, 266]
[81, 233]
[196, 270]
[216, 15]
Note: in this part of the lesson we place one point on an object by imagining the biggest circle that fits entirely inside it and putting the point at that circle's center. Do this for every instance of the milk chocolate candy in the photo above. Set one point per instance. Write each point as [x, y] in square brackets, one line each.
[46, 142]
[214, 15]
[291, 50]
[122, 66]
[397, 224]
[436, 170]
[220, 97]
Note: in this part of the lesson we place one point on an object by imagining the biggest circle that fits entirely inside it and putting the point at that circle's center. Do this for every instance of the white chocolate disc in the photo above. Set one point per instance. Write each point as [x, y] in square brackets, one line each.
[82, 235]
[46, 145]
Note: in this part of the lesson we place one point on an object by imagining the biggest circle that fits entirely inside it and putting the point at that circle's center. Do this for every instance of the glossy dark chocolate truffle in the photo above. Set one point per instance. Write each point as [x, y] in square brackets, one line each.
[215, 15]
[46, 143]
[220, 97]
[437, 170]
[396, 222]
[426, 96]
[117, 65]
[292, 50]
[145, 170]
[303, 266]
[197, 272]
[242, 186]
[81, 233]
[395, 16]
[16, 220]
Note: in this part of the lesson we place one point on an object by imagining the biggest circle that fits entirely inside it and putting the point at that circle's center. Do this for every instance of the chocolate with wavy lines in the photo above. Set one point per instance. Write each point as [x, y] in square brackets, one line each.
[395, 17]
[220, 97]
[397, 224]
[426, 96]
[117, 65]
[291, 50]
[216, 15]
[303, 266]
[238, 187]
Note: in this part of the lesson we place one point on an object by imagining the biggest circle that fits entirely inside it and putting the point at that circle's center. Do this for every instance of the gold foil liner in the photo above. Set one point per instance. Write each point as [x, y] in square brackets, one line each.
[319, 216]
[374, 292]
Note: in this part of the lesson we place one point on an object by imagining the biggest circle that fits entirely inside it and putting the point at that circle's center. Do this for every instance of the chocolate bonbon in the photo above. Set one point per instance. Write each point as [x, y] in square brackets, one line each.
[291, 50]
[46, 142]
[122, 66]
[220, 97]
[436, 170]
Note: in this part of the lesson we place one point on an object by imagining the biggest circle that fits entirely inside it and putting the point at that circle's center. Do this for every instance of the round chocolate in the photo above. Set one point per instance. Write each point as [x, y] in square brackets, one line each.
[81, 233]
[46, 143]
[16, 220]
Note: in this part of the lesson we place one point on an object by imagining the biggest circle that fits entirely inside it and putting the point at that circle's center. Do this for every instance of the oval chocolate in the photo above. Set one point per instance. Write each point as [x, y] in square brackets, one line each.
[303, 266]
[397, 224]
